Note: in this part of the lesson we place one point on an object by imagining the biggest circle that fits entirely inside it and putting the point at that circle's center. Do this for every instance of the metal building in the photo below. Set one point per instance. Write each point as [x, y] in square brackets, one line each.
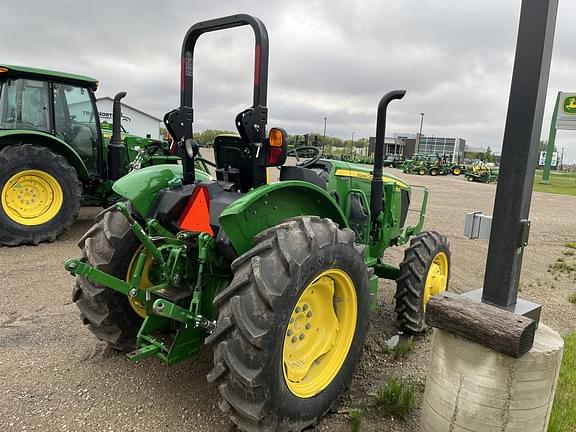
[431, 145]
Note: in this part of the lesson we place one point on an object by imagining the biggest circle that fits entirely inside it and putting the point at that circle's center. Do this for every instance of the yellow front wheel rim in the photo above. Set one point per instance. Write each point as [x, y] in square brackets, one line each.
[319, 333]
[457, 171]
[437, 278]
[32, 197]
[145, 282]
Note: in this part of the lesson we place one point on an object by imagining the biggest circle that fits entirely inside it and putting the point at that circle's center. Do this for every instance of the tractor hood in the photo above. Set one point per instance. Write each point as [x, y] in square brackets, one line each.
[364, 172]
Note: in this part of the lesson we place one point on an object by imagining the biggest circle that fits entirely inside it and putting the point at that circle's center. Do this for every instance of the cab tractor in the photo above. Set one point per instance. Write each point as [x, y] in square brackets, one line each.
[55, 155]
[279, 278]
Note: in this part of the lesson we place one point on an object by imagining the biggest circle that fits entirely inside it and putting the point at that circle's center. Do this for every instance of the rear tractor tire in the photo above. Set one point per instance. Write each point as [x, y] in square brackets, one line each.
[456, 171]
[40, 195]
[109, 246]
[434, 172]
[424, 273]
[291, 326]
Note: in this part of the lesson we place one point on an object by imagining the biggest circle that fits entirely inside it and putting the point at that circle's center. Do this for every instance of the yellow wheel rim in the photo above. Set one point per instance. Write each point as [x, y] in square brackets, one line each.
[319, 333]
[32, 197]
[145, 282]
[457, 171]
[437, 278]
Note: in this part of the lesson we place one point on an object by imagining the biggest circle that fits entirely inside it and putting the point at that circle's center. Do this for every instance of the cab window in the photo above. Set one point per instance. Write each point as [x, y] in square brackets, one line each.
[24, 104]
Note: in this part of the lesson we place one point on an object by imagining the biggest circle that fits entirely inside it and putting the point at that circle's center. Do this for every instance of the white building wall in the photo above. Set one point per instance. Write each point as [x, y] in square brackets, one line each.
[133, 122]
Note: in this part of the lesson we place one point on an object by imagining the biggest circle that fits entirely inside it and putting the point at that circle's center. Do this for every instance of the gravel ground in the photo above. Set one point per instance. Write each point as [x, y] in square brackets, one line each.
[56, 376]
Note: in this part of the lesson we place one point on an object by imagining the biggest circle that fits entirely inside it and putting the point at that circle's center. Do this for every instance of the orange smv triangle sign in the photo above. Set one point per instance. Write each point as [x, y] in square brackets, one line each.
[196, 217]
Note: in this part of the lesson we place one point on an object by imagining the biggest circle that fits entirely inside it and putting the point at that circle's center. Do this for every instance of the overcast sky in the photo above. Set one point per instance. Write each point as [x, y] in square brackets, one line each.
[329, 58]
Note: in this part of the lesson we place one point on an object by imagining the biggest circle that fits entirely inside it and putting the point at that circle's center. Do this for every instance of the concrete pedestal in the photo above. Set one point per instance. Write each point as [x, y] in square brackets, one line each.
[471, 388]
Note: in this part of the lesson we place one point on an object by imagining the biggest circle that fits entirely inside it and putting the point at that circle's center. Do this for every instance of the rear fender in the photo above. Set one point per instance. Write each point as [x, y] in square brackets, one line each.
[271, 204]
[140, 187]
[15, 137]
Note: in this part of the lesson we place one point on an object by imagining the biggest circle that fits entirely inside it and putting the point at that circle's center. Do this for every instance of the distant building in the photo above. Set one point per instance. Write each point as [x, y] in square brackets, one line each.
[431, 145]
[399, 144]
[134, 121]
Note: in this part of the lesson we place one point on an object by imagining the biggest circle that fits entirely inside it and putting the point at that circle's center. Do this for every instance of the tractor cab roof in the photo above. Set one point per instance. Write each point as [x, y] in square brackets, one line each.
[46, 74]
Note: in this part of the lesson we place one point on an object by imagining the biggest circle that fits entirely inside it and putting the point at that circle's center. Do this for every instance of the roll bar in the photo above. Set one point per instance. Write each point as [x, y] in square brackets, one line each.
[252, 122]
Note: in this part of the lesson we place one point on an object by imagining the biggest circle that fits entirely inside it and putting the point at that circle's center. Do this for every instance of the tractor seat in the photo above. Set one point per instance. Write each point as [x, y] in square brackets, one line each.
[303, 174]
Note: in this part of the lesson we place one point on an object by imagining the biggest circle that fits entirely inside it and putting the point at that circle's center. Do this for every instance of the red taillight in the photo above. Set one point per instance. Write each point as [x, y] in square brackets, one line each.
[196, 217]
[275, 155]
[173, 147]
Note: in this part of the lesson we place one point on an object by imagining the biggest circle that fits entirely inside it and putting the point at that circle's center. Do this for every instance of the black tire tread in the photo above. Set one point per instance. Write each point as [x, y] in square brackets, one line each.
[102, 310]
[246, 310]
[412, 277]
[32, 151]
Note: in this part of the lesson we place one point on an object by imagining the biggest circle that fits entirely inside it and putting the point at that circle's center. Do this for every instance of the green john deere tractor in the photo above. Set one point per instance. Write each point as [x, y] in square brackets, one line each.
[55, 155]
[408, 164]
[278, 278]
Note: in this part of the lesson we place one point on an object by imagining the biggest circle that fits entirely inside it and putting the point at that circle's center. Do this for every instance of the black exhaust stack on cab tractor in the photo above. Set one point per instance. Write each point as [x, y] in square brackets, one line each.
[116, 148]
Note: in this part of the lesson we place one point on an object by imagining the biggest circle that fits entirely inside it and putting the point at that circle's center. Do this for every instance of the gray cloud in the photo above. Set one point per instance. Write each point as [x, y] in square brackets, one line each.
[332, 59]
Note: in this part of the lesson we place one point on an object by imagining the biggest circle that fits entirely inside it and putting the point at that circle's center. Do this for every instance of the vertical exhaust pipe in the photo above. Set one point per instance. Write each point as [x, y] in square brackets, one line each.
[116, 148]
[376, 188]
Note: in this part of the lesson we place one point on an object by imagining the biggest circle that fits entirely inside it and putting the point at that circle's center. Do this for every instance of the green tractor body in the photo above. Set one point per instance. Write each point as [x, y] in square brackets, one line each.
[54, 153]
[278, 277]
[408, 164]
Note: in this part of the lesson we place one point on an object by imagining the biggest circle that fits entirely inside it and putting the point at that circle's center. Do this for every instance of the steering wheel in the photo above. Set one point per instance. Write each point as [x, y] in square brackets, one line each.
[307, 150]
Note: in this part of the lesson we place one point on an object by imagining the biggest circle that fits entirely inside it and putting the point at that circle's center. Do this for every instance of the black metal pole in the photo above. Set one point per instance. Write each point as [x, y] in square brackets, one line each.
[324, 139]
[510, 224]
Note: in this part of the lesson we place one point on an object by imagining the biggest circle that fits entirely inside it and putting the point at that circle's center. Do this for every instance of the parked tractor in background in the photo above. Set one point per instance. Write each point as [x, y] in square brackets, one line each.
[279, 278]
[54, 155]
[480, 172]
[393, 161]
[408, 164]
[457, 168]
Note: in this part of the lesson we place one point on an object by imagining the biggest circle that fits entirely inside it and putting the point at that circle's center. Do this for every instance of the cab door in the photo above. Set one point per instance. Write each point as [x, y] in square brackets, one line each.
[76, 122]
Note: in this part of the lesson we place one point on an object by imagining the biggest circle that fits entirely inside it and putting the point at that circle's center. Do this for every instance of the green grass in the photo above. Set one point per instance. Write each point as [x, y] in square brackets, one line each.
[402, 349]
[563, 418]
[396, 398]
[562, 266]
[563, 183]
[356, 416]
[570, 245]
[572, 298]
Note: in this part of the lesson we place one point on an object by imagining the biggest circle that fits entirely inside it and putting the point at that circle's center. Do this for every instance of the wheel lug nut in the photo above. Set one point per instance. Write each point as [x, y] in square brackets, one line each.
[305, 307]
[297, 310]
[289, 333]
[301, 336]
[308, 326]
[294, 339]
[291, 320]
[309, 314]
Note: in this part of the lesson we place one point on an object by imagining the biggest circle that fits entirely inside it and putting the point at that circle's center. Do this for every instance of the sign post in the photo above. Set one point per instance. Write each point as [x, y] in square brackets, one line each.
[564, 117]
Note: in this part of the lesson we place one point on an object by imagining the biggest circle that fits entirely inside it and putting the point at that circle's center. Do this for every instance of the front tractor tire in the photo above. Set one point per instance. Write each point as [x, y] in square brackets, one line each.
[291, 326]
[424, 273]
[40, 195]
[110, 247]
